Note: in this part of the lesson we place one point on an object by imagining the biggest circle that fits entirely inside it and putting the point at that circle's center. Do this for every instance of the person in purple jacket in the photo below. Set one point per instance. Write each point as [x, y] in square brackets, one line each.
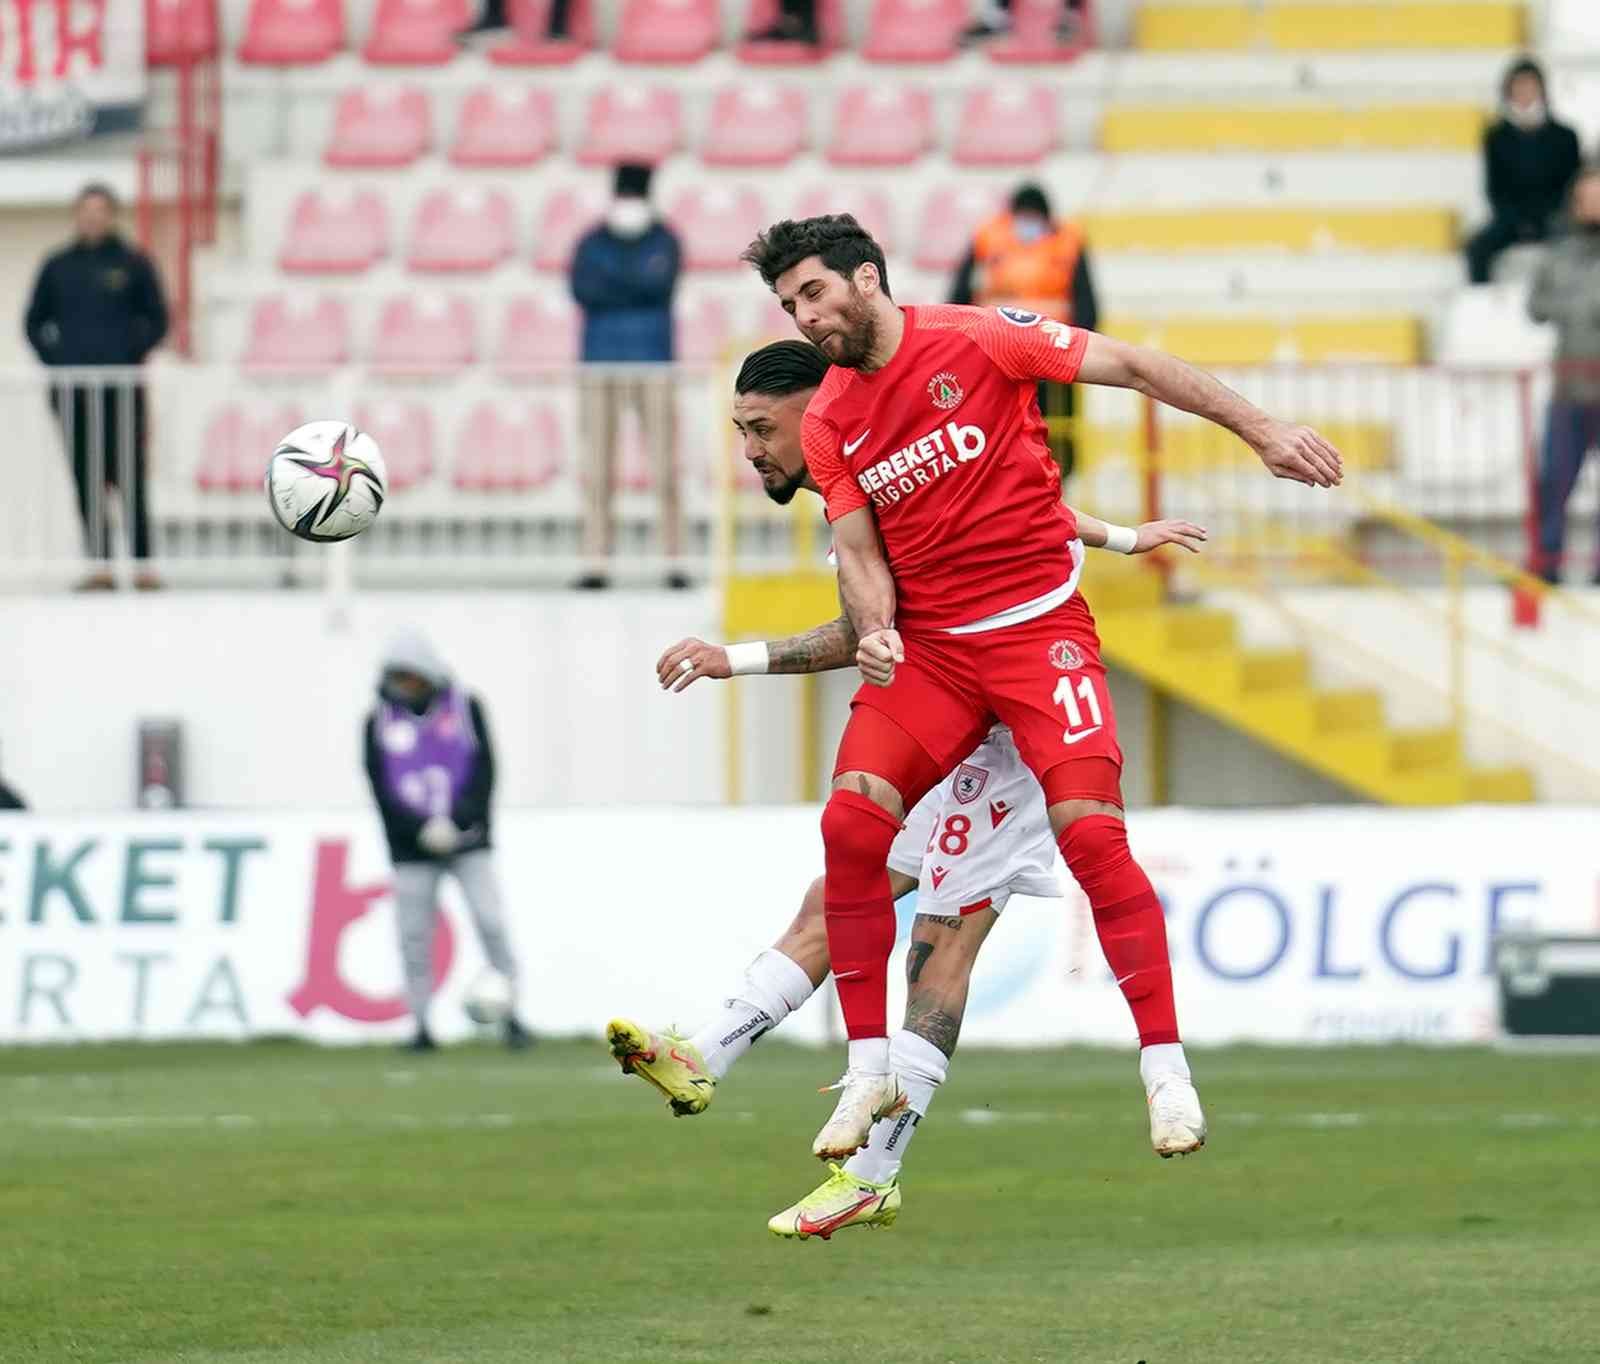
[431, 766]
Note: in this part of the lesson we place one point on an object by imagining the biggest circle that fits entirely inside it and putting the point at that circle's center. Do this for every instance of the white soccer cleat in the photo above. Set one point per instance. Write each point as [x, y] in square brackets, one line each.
[864, 1099]
[1177, 1126]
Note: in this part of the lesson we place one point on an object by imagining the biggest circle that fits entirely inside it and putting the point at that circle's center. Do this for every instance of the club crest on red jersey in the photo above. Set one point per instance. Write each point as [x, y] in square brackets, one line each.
[945, 390]
[970, 781]
[1019, 317]
[1065, 656]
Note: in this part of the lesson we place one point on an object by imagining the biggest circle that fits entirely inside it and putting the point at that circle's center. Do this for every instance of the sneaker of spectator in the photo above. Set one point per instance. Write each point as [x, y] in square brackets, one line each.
[796, 23]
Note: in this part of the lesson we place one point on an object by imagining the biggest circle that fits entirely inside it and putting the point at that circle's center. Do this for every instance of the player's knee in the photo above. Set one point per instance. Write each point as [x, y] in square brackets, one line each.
[1095, 849]
[810, 920]
[856, 831]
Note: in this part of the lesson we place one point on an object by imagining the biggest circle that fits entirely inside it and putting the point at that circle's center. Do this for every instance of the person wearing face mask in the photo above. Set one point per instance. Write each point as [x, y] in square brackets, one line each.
[624, 272]
[1529, 162]
[431, 766]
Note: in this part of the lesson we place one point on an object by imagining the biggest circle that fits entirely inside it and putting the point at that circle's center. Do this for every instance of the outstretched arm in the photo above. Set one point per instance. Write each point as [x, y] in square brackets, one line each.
[819, 650]
[1098, 534]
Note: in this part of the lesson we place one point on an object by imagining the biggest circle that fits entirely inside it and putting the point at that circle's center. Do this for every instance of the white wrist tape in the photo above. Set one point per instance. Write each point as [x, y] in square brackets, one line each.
[747, 658]
[1123, 539]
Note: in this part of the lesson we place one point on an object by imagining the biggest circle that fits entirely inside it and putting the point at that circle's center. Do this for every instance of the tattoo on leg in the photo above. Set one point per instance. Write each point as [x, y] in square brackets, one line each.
[916, 958]
[950, 921]
[932, 1024]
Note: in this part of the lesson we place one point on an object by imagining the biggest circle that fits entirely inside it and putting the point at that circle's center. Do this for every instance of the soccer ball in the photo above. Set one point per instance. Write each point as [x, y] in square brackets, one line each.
[489, 1000]
[326, 481]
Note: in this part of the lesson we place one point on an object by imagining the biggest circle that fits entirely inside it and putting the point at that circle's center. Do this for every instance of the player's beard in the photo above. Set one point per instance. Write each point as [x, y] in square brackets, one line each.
[858, 335]
[783, 493]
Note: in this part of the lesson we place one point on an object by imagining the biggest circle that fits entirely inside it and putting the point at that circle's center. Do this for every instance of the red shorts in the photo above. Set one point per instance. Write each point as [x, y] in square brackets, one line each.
[1042, 678]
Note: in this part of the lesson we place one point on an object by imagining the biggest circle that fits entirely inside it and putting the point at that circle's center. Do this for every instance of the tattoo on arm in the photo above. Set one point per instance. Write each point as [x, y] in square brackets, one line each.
[916, 958]
[817, 651]
[931, 1023]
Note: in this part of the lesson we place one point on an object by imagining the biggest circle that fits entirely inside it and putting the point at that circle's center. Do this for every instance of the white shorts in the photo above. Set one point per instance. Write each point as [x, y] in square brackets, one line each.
[980, 835]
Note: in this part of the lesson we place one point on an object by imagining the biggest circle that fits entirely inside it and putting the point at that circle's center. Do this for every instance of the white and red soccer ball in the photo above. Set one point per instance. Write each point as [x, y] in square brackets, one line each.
[326, 481]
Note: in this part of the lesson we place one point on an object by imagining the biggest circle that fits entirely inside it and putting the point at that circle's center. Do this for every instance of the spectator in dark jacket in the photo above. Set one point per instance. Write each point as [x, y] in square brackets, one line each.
[624, 272]
[431, 766]
[1529, 164]
[96, 302]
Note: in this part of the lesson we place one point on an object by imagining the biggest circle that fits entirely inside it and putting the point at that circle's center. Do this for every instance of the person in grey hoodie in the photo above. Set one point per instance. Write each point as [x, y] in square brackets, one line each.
[1567, 294]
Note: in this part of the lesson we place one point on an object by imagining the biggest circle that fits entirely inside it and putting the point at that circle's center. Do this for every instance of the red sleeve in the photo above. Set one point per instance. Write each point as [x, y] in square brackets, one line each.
[1024, 345]
[820, 444]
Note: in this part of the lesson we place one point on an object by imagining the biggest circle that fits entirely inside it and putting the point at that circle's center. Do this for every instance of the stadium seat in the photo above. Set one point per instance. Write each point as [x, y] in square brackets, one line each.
[297, 335]
[424, 335]
[764, 14]
[236, 441]
[509, 447]
[629, 123]
[404, 432]
[914, 30]
[416, 32]
[462, 229]
[879, 125]
[175, 30]
[1006, 126]
[702, 327]
[715, 223]
[756, 125]
[1036, 36]
[292, 32]
[871, 206]
[507, 128]
[567, 214]
[667, 31]
[379, 127]
[531, 44]
[332, 232]
[536, 334]
[950, 216]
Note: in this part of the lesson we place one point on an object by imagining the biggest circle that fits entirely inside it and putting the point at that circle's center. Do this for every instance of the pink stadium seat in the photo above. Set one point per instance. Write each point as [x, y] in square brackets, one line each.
[462, 229]
[769, 322]
[532, 45]
[764, 14]
[1006, 125]
[379, 127]
[177, 29]
[331, 232]
[292, 32]
[536, 335]
[914, 30]
[509, 448]
[628, 123]
[715, 224]
[567, 214]
[424, 335]
[235, 444]
[703, 328]
[404, 432]
[872, 208]
[881, 125]
[416, 32]
[1034, 35]
[667, 30]
[297, 335]
[950, 216]
[756, 125]
[507, 128]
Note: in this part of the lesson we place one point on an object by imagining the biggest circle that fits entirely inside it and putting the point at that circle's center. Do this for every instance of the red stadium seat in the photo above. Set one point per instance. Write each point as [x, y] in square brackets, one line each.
[292, 32]
[462, 229]
[536, 335]
[416, 32]
[404, 432]
[703, 328]
[628, 123]
[297, 335]
[507, 128]
[950, 217]
[532, 45]
[715, 224]
[756, 125]
[764, 14]
[175, 30]
[667, 31]
[332, 232]
[236, 442]
[1007, 126]
[425, 335]
[914, 30]
[509, 448]
[1035, 34]
[379, 127]
[872, 208]
[567, 214]
[881, 125]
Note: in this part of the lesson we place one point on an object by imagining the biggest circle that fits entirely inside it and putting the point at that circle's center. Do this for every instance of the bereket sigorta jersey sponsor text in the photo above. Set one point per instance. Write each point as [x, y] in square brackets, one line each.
[947, 445]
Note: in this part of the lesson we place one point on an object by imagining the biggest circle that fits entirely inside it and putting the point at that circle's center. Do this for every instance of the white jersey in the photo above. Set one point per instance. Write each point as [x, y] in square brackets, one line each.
[980, 835]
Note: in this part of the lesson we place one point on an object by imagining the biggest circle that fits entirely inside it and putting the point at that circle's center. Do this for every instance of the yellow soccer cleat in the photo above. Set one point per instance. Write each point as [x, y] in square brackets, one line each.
[841, 1200]
[671, 1063]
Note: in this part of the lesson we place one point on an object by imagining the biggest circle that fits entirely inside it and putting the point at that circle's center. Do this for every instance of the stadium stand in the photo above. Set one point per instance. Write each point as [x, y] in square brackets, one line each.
[715, 223]
[630, 123]
[415, 32]
[425, 335]
[881, 125]
[404, 432]
[914, 30]
[335, 231]
[667, 31]
[536, 334]
[756, 125]
[379, 127]
[566, 215]
[297, 335]
[504, 129]
[234, 436]
[464, 229]
[292, 32]
[763, 14]
[179, 29]
[509, 447]
[1009, 126]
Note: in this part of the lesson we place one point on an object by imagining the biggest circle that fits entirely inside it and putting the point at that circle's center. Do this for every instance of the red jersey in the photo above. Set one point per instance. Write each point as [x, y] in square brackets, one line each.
[947, 446]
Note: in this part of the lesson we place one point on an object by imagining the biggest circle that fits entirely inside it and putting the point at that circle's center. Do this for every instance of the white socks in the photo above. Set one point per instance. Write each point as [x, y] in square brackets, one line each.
[869, 1055]
[1158, 1062]
[921, 1067]
[774, 987]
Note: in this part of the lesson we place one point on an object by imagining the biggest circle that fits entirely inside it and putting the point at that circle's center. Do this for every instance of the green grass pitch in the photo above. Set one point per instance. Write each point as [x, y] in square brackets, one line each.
[274, 1203]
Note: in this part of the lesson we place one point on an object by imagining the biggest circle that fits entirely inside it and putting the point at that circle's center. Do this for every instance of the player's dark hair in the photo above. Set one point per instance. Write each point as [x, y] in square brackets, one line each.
[782, 368]
[837, 239]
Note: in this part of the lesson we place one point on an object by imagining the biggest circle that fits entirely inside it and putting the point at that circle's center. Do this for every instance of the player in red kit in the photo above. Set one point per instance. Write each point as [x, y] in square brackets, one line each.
[958, 568]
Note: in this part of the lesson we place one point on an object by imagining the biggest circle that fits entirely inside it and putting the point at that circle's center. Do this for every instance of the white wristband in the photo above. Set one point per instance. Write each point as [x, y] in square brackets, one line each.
[747, 658]
[1123, 539]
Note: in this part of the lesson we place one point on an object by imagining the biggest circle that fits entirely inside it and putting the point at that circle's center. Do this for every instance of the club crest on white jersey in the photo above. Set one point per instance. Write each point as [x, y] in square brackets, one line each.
[969, 783]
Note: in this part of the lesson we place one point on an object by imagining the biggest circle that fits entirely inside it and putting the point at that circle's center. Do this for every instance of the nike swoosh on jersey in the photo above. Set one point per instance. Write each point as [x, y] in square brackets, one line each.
[851, 446]
[1082, 734]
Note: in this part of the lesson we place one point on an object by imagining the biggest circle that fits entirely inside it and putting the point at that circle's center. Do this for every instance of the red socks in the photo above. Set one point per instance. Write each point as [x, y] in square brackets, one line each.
[856, 834]
[1128, 918]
